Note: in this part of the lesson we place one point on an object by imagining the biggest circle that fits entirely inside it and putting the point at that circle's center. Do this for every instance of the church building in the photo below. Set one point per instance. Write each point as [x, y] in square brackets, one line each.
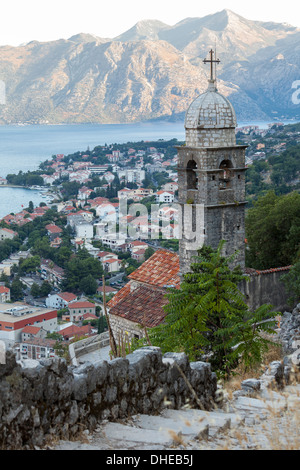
[211, 195]
[211, 177]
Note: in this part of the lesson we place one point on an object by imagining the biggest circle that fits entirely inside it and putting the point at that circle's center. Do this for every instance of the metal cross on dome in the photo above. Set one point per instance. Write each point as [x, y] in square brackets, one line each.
[211, 61]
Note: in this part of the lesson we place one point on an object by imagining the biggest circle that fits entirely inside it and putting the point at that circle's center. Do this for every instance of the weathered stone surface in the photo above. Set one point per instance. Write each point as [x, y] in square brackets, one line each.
[48, 398]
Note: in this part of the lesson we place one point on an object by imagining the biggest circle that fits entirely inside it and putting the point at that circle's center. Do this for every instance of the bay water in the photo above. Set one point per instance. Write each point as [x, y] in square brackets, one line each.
[24, 147]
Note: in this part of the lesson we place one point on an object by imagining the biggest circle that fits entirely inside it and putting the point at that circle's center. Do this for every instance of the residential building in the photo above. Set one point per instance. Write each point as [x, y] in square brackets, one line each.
[37, 348]
[7, 234]
[56, 242]
[130, 175]
[165, 196]
[98, 169]
[108, 290]
[61, 300]
[84, 193]
[105, 255]
[78, 309]
[137, 245]
[111, 265]
[112, 241]
[125, 193]
[53, 231]
[107, 212]
[4, 294]
[16, 316]
[84, 230]
[30, 332]
[172, 186]
[74, 331]
[138, 255]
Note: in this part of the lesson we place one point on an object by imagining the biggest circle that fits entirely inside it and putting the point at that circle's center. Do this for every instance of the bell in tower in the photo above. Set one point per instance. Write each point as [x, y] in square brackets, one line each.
[211, 177]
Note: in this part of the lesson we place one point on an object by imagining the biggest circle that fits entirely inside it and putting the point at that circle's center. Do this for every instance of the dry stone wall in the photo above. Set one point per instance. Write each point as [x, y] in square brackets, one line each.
[40, 400]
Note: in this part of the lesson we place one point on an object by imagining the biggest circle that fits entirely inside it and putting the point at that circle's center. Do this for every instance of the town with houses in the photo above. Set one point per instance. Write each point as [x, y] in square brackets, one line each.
[38, 314]
[47, 298]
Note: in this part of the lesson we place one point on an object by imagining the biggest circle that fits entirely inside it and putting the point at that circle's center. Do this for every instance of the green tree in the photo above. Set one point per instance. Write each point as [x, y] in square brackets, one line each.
[35, 290]
[149, 252]
[45, 289]
[16, 290]
[88, 285]
[102, 324]
[29, 265]
[80, 267]
[208, 319]
[291, 281]
[273, 231]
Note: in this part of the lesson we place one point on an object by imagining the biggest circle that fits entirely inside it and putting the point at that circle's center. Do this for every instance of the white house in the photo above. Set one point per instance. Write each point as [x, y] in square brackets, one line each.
[7, 233]
[84, 230]
[112, 241]
[105, 255]
[107, 212]
[61, 300]
[165, 196]
[132, 175]
[84, 193]
[111, 265]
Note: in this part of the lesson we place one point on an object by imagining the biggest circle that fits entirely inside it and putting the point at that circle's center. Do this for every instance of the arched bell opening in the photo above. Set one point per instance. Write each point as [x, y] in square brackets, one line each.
[192, 177]
[226, 174]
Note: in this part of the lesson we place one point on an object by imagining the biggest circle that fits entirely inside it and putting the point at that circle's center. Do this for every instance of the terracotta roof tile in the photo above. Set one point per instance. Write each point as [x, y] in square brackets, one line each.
[4, 290]
[161, 270]
[32, 330]
[144, 305]
[121, 294]
[67, 296]
[82, 304]
[75, 330]
[256, 272]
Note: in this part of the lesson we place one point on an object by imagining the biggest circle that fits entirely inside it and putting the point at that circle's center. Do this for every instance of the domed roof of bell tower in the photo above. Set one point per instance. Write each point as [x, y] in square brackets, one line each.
[210, 110]
[210, 120]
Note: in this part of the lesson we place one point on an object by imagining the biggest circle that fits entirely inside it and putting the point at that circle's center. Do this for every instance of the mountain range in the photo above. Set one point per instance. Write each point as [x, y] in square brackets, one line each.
[153, 71]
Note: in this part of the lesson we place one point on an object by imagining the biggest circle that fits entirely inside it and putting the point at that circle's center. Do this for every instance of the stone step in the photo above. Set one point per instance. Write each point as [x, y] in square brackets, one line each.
[125, 433]
[174, 426]
[190, 428]
[217, 421]
[255, 405]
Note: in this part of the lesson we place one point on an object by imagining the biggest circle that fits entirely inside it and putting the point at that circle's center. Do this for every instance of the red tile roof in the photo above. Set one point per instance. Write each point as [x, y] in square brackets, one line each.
[108, 289]
[75, 330]
[256, 272]
[4, 289]
[31, 330]
[120, 295]
[82, 305]
[53, 228]
[144, 305]
[67, 296]
[89, 315]
[161, 270]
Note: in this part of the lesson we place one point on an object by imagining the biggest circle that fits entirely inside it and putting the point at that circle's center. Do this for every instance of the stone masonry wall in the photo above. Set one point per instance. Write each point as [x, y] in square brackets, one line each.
[40, 400]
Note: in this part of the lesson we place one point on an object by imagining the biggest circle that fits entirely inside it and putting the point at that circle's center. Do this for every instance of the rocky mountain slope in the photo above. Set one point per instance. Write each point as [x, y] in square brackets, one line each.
[152, 71]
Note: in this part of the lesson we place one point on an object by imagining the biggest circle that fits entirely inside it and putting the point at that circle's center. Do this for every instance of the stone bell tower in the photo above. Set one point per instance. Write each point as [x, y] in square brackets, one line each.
[211, 178]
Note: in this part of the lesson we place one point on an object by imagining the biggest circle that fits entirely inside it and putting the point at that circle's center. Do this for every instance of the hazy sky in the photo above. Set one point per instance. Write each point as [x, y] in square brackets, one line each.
[44, 20]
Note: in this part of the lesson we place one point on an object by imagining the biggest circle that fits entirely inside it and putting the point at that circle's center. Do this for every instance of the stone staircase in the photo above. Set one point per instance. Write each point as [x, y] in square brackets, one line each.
[267, 422]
